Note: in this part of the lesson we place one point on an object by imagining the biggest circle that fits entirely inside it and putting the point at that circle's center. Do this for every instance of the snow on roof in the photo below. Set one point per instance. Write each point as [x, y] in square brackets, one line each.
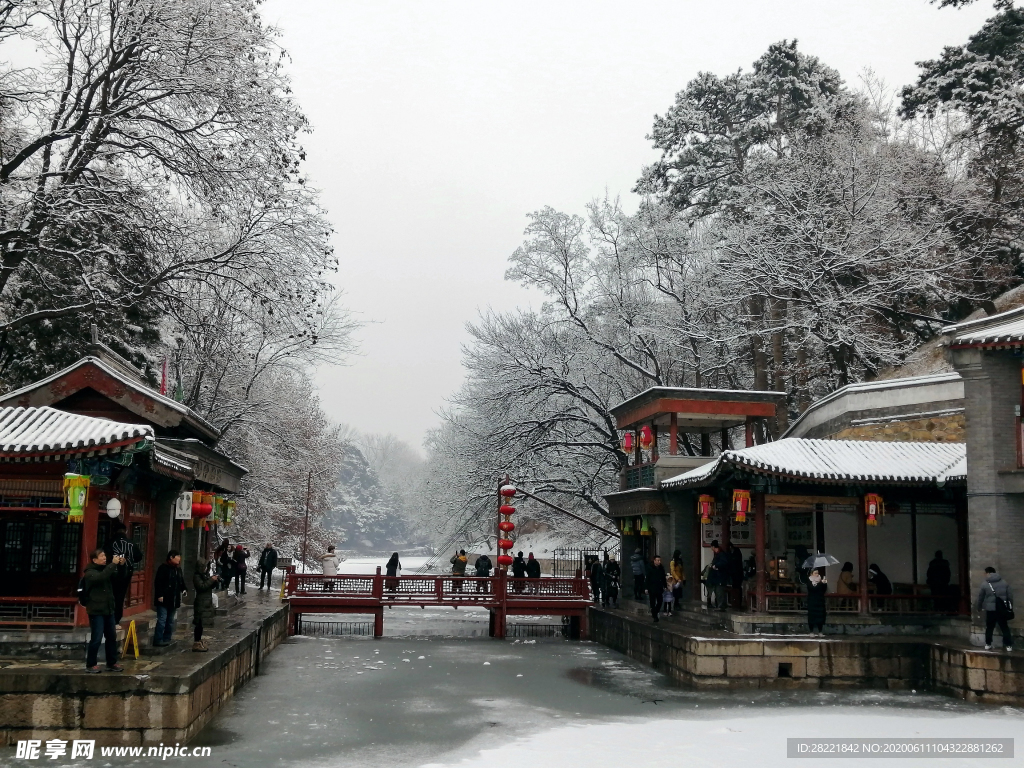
[838, 461]
[1004, 328]
[132, 383]
[47, 430]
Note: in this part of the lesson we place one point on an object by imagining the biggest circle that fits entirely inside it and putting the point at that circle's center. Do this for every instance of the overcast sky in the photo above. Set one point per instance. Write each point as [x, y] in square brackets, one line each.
[439, 125]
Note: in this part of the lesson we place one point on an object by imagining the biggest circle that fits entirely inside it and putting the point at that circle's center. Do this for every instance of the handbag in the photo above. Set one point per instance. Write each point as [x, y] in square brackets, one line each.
[1003, 607]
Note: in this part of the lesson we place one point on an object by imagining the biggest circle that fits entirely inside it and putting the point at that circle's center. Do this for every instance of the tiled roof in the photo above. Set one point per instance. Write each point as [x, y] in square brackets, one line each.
[839, 461]
[187, 414]
[1005, 328]
[46, 430]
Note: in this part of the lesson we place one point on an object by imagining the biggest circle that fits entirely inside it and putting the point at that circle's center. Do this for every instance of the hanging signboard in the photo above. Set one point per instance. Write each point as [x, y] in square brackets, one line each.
[183, 506]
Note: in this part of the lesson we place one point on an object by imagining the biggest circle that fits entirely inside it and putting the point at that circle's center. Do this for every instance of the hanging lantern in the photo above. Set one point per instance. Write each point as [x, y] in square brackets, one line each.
[646, 439]
[229, 512]
[627, 443]
[202, 507]
[874, 508]
[218, 510]
[113, 508]
[627, 526]
[505, 540]
[706, 507]
[76, 493]
[741, 505]
[645, 529]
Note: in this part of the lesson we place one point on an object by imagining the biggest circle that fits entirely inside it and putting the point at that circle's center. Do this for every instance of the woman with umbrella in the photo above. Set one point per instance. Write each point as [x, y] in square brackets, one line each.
[817, 588]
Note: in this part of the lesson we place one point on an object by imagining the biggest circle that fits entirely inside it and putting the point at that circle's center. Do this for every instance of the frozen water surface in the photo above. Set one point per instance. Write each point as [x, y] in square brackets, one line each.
[470, 701]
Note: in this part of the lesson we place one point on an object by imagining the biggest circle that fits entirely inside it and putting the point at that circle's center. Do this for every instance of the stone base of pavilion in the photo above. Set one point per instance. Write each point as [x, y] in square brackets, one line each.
[707, 654]
[165, 698]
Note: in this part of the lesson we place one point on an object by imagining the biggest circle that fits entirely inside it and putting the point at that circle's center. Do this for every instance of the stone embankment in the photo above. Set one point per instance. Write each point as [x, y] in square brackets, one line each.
[167, 698]
[705, 658]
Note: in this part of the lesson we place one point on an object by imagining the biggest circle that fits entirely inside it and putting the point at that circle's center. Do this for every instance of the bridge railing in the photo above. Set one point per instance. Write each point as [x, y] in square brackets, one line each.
[436, 589]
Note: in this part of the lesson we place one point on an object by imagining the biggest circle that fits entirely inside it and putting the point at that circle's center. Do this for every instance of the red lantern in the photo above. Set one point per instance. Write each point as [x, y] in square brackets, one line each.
[507, 526]
[705, 505]
[627, 443]
[741, 505]
[646, 438]
[507, 510]
[508, 491]
[874, 508]
[505, 544]
[201, 507]
[505, 560]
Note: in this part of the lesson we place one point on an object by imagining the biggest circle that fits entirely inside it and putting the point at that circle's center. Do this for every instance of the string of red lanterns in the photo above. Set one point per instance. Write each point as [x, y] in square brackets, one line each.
[506, 526]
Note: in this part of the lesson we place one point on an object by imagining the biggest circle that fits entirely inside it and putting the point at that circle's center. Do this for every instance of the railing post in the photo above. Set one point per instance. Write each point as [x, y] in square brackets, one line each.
[439, 588]
[378, 587]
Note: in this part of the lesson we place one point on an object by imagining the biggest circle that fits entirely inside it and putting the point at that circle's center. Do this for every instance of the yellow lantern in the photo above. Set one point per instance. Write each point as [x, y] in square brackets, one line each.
[741, 505]
[76, 492]
[705, 506]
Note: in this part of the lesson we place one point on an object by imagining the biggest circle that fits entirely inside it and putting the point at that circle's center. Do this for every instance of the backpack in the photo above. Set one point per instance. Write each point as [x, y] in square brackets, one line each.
[1003, 607]
[83, 592]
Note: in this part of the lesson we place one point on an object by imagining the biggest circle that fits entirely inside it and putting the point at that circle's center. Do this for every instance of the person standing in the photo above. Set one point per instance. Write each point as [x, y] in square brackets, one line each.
[597, 586]
[267, 563]
[938, 577]
[657, 583]
[99, 604]
[458, 561]
[203, 612]
[995, 597]
[846, 585]
[880, 581]
[639, 568]
[127, 554]
[518, 572]
[329, 566]
[678, 573]
[224, 564]
[719, 574]
[240, 568]
[168, 589]
[612, 576]
[817, 587]
[533, 572]
[482, 567]
[392, 568]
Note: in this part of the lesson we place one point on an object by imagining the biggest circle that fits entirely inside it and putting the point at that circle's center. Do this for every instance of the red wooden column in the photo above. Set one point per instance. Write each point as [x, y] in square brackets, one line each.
[749, 432]
[695, 551]
[673, 434]
[862, 557]
[90, 528]
[761, 587]
[963, 566]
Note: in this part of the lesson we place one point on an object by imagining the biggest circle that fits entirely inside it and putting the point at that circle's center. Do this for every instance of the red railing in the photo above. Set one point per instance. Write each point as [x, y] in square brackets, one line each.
[796, 602]
[38, 611]
[436, 589]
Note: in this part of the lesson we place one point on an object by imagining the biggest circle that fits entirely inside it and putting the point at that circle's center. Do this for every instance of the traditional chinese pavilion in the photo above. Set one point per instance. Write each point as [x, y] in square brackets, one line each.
[138, 451]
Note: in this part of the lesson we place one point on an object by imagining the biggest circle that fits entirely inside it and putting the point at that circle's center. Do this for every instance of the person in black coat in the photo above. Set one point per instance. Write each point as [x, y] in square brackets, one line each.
[394, 565]
[128, 555]
[817, 588]
[518, 572]
[483, 570]
[239, 568]
[168, 589]
[938, 579]
[720, 574]
[612, 576]
[597, 587]
[267, 563]
[882, 584]
[657, 583]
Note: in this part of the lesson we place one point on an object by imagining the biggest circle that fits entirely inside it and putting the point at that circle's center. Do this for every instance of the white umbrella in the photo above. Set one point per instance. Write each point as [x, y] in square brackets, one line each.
[819, 560]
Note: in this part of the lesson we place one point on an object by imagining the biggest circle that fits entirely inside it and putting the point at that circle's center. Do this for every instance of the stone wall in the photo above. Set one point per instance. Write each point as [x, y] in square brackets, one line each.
[134, 709]
[951, 428]
[892, 662]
